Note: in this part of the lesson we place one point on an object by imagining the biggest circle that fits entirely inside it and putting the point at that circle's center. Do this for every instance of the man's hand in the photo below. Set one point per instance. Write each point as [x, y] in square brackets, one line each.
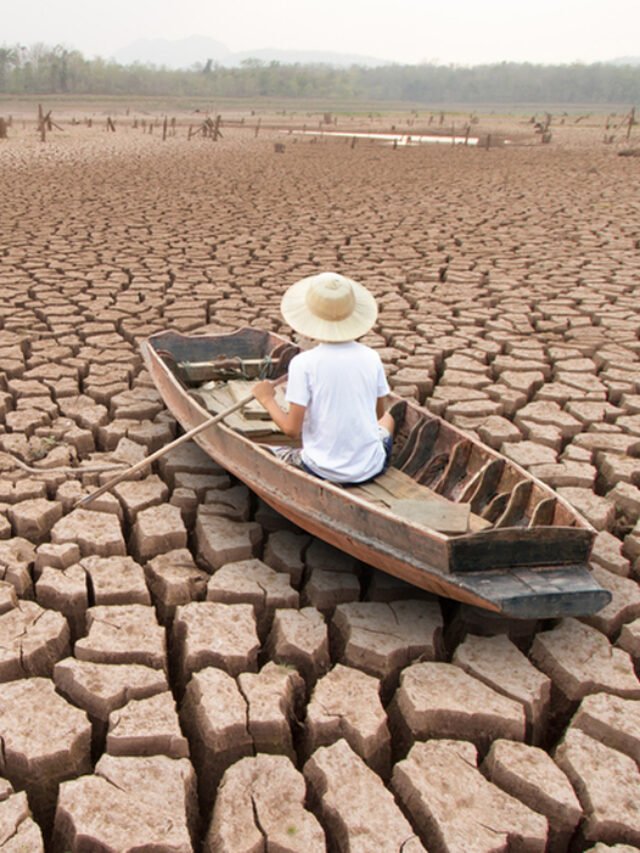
[263, 392]
[289, 422]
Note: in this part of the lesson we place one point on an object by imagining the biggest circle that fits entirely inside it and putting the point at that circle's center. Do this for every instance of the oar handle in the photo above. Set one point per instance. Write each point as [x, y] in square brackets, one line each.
[124, 475]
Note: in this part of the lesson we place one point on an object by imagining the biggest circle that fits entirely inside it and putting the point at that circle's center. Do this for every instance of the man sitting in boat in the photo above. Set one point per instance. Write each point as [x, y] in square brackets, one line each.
[337, 390]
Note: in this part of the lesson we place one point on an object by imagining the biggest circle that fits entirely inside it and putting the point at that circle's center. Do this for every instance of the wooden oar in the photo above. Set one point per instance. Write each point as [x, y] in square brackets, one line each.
[124, 475]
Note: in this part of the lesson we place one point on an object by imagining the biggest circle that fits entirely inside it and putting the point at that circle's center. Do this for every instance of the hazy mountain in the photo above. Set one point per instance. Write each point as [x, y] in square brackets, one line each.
[184, 53]
[178, 53]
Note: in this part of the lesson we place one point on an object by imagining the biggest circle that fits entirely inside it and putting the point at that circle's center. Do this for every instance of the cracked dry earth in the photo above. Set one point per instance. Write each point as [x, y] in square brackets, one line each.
[183, 670]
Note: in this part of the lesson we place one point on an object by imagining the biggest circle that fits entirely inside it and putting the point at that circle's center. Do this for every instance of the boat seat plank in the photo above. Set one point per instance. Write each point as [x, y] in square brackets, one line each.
[444, 516]
[395, 487]
[374, 491]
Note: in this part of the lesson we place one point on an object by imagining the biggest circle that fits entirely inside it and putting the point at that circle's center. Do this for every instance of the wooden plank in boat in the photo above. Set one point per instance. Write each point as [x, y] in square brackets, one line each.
[219, 398]
[399, 486]
[402, 487]
[445, 516]
[253, 411]
[240, 388]
[218, 368]
[394, 485]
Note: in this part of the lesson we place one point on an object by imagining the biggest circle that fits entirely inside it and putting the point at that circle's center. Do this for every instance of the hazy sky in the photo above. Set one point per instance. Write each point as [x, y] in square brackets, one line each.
[460, 31]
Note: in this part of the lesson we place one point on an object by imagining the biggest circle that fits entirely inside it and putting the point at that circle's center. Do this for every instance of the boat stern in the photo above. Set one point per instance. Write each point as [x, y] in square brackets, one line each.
[547, 592]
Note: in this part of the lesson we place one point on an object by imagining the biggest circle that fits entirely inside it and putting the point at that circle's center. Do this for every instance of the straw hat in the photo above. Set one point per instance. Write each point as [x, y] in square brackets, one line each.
[329, 307]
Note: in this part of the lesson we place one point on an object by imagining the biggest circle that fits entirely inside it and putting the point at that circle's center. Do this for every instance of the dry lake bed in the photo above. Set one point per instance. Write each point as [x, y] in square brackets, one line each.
[183, 670]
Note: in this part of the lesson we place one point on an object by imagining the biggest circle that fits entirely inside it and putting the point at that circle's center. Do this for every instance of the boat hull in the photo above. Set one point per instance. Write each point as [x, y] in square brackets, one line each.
[498, 578]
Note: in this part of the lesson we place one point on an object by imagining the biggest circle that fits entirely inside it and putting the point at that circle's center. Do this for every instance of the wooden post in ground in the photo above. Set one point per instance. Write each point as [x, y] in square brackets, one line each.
[257, 131]
[216, 128]
[632, 121]
[41, 124]
[164, 128]
[45, 123]
[110, 125]
[466, 134]
[488, 142]
[3, 128]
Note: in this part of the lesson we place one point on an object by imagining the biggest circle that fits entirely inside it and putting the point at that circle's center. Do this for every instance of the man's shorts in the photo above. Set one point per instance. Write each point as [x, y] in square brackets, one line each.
[293, 456]
[387, 443]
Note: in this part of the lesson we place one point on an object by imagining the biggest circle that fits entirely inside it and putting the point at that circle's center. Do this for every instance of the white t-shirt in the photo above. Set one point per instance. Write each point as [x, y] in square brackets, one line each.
[339, 384]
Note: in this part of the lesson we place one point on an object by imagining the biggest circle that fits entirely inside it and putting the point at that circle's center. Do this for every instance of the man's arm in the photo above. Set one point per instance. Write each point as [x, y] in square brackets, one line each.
[289, 422]
[381, 406]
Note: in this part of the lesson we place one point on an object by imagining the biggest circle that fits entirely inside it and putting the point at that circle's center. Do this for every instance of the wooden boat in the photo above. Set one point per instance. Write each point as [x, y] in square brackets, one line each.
[450, 515]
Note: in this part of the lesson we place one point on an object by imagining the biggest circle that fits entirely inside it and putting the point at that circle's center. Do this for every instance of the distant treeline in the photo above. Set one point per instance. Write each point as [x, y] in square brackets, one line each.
[56, 70]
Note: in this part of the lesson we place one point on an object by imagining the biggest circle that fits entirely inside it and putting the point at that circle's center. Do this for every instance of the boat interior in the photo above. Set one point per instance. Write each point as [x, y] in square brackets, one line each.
[439, 477]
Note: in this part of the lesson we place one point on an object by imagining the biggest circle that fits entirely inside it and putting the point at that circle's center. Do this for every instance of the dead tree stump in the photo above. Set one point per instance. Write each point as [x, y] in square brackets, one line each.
[45, 123]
